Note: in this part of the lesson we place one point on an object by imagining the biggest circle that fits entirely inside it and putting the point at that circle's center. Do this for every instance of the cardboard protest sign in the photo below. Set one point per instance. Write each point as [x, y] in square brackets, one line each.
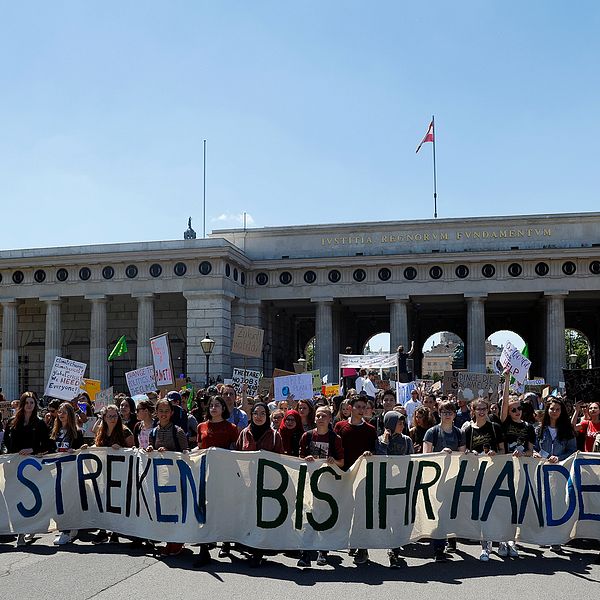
[140, 381]
[299, 386]
[450, 382]
[5, 409]
[519, 365]
[91, 387]
[161, 358]
[330, 390]
[265, 386]
[65, 379]
[316, 381]
[247, 376]
[247, 341]
[582, 385]
[425, 384]
[478, 385]
[103, 399]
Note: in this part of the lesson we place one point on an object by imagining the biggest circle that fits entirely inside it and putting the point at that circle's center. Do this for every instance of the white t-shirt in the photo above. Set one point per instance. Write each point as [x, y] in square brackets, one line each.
[410, 407]
[359, 385]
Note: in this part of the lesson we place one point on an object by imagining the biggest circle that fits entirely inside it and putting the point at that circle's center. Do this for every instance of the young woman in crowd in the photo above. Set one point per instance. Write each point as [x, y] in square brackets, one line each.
[393, 442]
[26, 434]
[215, 432]
[555, 438]
[167, 436]
[259, 436]
[277, 417]
[65, 437]
[112, 434]
[589, 428]
[128, 413]
[291, 430]
[307, 413]
[422, 421]
[344, 412]
[483, 437]
[144, 425]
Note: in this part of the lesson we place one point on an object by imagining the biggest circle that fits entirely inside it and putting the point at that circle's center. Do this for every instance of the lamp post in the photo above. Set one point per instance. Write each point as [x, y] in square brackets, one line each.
[573, 360]
[207, 347]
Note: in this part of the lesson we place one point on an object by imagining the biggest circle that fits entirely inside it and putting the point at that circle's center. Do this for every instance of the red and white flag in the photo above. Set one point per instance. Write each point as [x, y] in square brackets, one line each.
[428, 136]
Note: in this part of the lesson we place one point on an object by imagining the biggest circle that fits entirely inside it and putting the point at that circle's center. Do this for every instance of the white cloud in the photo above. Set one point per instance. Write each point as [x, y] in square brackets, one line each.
[233, 219]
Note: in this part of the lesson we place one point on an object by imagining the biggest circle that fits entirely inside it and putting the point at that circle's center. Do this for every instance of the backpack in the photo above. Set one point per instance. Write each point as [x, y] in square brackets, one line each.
[152, 438]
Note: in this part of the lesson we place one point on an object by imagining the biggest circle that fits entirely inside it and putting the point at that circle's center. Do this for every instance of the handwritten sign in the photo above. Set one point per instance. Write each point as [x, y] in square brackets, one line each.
[103, 399]
[141, 380]
[161, 358]
[247, 341]
[330, 390]
[247, 376]
[300, 386]
[65, 379]
[316, 381]
[478, 385]
[519, 365]
[450, 382]
[92, 387]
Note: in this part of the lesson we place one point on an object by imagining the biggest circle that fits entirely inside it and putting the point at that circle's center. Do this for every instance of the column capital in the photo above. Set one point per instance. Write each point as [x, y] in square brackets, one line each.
[96, 297]
[474, 296]
[50, 299]
[142, 295]
[557, 294]
[8, 301]
[325, 300]
[207, 294]
[398, 298]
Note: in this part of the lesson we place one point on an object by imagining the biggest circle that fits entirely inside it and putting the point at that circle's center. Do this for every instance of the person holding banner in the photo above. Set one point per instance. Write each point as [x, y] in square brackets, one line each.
[66, 437]
[555, 438]
[26, 434]
[259, 436]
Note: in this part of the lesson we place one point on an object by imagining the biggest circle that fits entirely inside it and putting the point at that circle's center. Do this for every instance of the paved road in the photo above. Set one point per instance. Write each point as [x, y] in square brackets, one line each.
[82, 571]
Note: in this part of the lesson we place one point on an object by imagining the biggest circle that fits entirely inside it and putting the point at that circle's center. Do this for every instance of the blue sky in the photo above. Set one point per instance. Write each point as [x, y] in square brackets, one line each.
[312, 111]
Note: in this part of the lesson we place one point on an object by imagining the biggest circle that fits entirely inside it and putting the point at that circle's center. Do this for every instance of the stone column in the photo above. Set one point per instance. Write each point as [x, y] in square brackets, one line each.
[145, 328]
[10, 350]
[324, 335]
[555, 337]
[98, 347]
[208, 312]
[398, 322]
[476, 333]
[53, 334]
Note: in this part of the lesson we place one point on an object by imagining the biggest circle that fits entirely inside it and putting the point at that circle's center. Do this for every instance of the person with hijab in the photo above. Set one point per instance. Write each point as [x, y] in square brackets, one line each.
[291, 430]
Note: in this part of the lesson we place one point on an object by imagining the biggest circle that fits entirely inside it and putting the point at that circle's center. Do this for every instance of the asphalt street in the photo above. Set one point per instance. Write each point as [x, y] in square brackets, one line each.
[82, 571]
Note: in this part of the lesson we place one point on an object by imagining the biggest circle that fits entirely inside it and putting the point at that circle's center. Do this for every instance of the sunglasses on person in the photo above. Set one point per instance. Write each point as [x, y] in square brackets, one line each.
[516, 409]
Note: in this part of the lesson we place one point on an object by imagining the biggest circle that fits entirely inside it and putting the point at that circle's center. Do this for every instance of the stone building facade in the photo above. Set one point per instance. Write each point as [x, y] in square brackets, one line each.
[534, 275]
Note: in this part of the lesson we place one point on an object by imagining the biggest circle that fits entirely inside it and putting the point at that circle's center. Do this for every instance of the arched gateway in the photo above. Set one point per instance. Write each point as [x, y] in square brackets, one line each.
[535, 275]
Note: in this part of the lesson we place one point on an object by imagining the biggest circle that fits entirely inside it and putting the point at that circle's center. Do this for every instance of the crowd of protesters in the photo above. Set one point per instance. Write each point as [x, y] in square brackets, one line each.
[338, 430]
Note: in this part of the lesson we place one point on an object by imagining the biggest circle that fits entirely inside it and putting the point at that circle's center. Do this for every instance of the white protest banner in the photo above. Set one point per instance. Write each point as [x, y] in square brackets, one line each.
[478, 385]
[103, 399]
[161, 358]
[247, 341]
[247, 376]
[280, 502]
[519, 365]
[300, 386]
[368, 361]
[403, 391]
[141, 380]
[65, 379]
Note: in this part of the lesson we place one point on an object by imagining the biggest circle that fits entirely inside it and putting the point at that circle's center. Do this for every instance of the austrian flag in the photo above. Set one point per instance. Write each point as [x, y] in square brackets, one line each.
[428, 136]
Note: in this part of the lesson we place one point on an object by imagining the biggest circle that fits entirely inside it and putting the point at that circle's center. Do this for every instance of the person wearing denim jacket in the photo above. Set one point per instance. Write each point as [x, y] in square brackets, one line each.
[555, 438]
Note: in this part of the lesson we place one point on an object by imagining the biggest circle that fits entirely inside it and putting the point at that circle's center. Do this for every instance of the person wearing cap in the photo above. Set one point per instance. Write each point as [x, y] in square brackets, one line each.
[394, 443]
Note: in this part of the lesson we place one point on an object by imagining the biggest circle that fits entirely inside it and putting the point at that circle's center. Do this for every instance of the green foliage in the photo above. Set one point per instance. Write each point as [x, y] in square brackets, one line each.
[577, 344]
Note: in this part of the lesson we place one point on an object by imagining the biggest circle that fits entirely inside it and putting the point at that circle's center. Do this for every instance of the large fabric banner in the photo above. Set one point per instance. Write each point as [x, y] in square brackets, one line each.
[369, 361]
[266, 500]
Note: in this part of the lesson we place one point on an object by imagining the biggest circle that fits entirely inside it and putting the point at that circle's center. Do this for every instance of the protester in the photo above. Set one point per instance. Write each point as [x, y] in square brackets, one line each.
[65, 437]
[145, 424]
[277, 416]
[388, 401]
[167, 436]
[215, 432]
[321, 443]
[344, 412]
[26, 434]
[127, 410]
[463, 414]
[291, 430]
[259, 436]
[422, 422]
[307, 414]
[589, 427]
[555, 438]
[236, 416]
[411, 406]
[358, 439]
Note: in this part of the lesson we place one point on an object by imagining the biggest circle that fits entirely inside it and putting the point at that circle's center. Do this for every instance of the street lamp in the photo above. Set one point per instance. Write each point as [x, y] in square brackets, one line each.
[207, 347]
[302, 362]
[572, 360]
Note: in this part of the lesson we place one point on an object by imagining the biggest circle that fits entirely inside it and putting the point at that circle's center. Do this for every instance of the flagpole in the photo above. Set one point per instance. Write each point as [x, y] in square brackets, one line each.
[434, 172]
[204, 194]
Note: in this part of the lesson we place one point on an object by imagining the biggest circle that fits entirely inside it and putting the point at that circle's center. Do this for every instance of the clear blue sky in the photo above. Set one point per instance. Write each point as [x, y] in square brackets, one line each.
[312, 111]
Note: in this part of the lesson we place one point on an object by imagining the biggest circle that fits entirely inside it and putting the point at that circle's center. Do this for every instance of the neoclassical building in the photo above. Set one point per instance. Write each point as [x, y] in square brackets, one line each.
[343, 283]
